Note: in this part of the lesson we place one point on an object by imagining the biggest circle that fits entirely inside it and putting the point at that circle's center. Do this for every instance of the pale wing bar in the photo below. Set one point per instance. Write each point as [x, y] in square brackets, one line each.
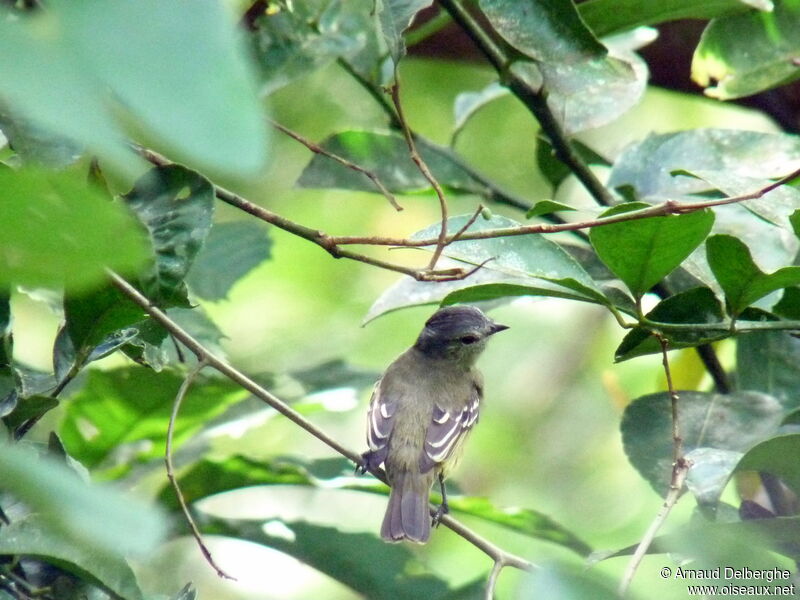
[446, 431]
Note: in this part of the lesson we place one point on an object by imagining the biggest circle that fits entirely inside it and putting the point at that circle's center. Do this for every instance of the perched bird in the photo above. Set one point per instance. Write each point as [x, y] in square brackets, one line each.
[422, 409]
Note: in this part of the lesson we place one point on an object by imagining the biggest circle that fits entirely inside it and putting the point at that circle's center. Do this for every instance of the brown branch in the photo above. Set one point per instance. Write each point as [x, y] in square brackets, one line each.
[176, 405]
[317, 149]
[423, 168]
[207, 357]
[680, 469]
[535, 100]
[320, 238]
[663, 209]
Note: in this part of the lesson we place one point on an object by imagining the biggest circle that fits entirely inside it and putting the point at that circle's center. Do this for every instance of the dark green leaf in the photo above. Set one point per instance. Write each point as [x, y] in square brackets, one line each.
[697, 305]
[163, 93]
[641, 252]
[546, 207]
[725, 422]
[129, 409]
[778, 456]
[740, 278]
[187, 593]
[585, 86]
[607, 17]
[297, 38]
[175, 205]
[230, 252]
[34, 537]
[395, 16]
[210, 477]
[97, 323]
[31, 407]
[556, 171]
[358, 560]
[557, 582]
[769, 362]
[36, 146]
[733, 545]
[519, 265]
[334, 374]
[521, 520]
[749, 52]
[795, 221]
[386, 156]
[93, 517]
[57, 230]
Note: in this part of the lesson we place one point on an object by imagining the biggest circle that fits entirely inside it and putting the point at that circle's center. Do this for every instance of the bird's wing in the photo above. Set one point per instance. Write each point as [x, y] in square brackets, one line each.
[448, 429]
[380, 420]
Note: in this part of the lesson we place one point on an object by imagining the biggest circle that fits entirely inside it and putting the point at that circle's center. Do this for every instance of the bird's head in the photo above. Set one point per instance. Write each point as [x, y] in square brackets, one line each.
[458, 333]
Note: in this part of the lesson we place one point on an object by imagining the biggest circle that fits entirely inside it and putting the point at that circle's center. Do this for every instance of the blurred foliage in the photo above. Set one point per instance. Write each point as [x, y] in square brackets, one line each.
[88, 378]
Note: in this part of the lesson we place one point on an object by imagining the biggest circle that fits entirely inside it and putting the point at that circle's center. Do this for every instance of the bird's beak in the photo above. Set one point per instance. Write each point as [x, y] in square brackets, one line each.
[496, 328]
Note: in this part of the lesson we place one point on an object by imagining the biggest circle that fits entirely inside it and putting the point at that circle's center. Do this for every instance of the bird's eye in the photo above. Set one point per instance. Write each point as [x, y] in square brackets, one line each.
[469, 339]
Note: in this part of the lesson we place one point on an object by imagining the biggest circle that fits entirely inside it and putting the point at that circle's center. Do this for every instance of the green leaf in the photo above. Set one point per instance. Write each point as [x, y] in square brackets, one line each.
[522, 520]
[561, 582]
[607, 17]
[175, 205]
[31, 407]
[734, 545]
[740, 278]
[230, 252]
[778, 456]
[641, 252]
[37, 146]
[151, 77]
[129, 409]
[89, 516]
[556, 171]
[585, 86]
[93, 318]
[725, 422]
[695, 306]
[387, 157]
[769, 362]
[298, 38]
[55, 230]
[749, 52]
[358, 560]
[546, 207]
[35, 537]
[519, 265]
[395, 16]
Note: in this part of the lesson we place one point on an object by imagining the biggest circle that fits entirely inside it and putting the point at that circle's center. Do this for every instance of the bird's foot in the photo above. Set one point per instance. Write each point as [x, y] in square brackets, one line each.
[440, 512]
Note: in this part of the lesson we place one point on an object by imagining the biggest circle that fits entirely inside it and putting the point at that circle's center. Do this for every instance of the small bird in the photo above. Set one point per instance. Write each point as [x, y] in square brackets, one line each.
[421, 411]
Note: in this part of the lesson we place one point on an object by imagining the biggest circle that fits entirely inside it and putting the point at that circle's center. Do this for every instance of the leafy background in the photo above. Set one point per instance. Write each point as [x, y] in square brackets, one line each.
[563, 425]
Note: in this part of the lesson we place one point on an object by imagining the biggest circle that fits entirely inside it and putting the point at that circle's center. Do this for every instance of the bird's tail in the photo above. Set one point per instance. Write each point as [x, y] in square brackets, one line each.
[407, 515]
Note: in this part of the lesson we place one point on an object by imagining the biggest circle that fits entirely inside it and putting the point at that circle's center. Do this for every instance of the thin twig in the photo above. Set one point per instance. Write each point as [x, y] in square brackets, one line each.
[317, 149]
[320, 238]
[210, 359]
[176, 405]
[680, 468]
[534, 99]
[492, 582]
[423, 168]
[663, 209]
